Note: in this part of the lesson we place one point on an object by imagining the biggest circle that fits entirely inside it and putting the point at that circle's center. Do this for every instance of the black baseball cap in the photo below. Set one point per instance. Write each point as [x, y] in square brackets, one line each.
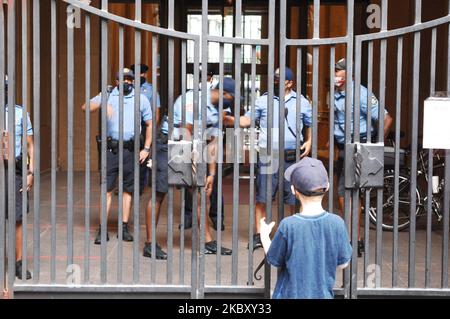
[309, 177]
[144, 68]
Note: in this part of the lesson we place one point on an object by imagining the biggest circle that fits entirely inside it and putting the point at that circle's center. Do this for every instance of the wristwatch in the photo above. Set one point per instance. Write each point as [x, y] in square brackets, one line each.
[30, 173]
[147, 149]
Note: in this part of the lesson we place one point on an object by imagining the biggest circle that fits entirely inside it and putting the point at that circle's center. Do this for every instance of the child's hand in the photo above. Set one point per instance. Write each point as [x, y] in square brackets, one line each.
[265, 228]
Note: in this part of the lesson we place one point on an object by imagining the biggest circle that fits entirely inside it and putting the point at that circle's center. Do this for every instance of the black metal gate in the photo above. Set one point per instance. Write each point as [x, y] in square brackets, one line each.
[106, 271]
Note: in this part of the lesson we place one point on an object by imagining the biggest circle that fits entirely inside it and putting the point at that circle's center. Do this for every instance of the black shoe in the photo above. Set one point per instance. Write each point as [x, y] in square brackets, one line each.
[126, 235]
[214, 222]
[98, 238]
[211, 249]
[256, 242]
[160, 254]
[360, 247]
[187, 222]
[19, 270]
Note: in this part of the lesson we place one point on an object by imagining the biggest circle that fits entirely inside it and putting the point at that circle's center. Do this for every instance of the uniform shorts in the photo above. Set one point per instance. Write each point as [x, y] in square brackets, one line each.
[162, 164]
[264, 174]
[18, 199]
[340, 173]
[112, 171]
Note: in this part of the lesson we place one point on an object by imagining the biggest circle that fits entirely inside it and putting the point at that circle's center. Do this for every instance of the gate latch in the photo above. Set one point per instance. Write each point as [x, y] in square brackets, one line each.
[364, 165]
[180, 163]
[186, 167]
[199, 165]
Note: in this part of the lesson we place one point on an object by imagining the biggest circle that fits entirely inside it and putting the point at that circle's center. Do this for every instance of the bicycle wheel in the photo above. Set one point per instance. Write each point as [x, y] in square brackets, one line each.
[404, 202]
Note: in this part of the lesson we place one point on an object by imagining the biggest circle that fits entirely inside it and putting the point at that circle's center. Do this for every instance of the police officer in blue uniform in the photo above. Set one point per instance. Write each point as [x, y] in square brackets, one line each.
[211, 84]
[212, 122]
[265, 169]
[339, 128]
[19, 157]
[147, 90]
[128, 138]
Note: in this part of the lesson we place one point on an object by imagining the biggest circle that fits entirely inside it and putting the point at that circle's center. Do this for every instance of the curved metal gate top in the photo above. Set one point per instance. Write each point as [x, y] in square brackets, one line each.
[60, 250]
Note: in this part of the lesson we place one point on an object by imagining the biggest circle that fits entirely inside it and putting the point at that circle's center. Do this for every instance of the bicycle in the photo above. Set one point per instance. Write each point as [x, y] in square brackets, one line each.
[404, 193]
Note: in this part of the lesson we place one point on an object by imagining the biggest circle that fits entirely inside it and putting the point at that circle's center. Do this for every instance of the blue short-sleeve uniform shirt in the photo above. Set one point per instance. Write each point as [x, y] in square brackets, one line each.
[147, 90]
[261, 114]
[339, 114]
[128, 113]
[18, 128]
[212, 114]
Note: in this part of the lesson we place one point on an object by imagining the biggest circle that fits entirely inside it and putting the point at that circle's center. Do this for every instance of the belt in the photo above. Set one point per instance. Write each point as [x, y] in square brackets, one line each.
[113, 145]
[179, 125]
[341, 146]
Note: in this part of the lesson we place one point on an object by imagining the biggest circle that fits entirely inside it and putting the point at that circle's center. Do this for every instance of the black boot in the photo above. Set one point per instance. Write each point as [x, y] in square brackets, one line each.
[126, 235]
[19, 270]
[360, 247]
[98, 238]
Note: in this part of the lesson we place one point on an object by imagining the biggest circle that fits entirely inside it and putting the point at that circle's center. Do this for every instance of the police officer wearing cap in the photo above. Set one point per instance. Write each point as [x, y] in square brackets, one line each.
[212, 122]
[147, 90]
[128, 144]
[339, 127]
[265, 169]
[17, 149]
[227, 109]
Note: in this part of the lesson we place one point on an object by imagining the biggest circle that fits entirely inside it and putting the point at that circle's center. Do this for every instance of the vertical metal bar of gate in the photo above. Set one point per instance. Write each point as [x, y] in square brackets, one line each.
[298, 104]
[121, 129]
[54, 146]
[414, 145]
[104, 84]
[298, 116]
[197, 135]
[252, 168]
[87, 182]
[356, 139]
[430, 165]
[398, 114]
[237, 144]
[37, 134]
[348, 106]
[281, 112]
[170, 100]
[369, 137]
[183, 124]
[2, 166]
[154, 163]
[270, 86]
[315, 80]
[445, 237]
[219, 166]
[11, 131]
[331, 127]
[70, 113]
[195, 245]
[137, 129]
[381, 116]
[24, 136]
